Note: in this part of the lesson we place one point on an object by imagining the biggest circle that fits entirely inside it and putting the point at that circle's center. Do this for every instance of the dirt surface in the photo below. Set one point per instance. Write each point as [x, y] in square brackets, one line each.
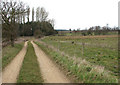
[11, 71]
[49, 71]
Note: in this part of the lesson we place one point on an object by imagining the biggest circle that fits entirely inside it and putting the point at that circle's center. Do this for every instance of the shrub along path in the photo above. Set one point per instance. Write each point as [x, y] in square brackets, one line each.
[11, 71]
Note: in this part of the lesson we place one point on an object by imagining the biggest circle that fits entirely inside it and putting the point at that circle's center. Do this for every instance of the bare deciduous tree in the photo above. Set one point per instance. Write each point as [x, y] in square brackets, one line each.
[9, 12]
[37, 14]
[43, 14]
[28, 13]
[33, 14]
[52, 22]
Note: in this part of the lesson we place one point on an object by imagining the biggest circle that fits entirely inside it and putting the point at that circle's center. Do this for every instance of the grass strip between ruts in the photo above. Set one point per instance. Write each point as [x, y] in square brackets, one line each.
[30, 72]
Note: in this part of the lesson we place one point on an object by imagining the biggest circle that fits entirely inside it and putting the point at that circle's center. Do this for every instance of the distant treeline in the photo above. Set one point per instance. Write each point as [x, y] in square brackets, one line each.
[16, 22]
[37, 29]
[96, 30]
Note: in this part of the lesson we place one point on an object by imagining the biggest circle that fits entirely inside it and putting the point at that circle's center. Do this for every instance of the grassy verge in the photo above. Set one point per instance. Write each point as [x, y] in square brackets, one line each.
[85, 72]
[30, 72]
[8, 53]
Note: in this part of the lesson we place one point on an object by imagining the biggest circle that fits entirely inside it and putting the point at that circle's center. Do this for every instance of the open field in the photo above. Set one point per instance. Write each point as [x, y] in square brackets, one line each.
[8, 53]
[30, 72]
[100, 52]
[85, 59]
[79, 33]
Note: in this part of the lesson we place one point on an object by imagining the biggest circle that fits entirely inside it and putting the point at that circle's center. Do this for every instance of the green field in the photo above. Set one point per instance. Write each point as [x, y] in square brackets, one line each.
[100, 53]
[30, 72]
[9, 53]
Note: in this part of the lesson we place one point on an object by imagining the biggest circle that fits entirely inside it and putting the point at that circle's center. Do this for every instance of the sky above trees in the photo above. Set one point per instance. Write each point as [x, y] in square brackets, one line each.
[76, 14]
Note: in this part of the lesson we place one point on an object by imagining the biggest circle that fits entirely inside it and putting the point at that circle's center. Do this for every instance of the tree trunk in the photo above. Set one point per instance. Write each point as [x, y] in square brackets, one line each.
[12, 41]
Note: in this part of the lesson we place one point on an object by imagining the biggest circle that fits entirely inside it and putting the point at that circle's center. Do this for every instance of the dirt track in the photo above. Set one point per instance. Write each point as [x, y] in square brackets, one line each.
[10, 73]
[50, 73]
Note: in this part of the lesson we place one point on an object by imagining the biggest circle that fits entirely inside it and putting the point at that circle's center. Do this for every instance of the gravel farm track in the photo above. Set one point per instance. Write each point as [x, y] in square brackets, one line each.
[50, 72]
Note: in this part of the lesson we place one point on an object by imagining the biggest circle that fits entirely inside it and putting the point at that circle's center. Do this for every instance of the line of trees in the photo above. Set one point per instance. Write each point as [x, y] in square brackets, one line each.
[14, 15]
[97, 30]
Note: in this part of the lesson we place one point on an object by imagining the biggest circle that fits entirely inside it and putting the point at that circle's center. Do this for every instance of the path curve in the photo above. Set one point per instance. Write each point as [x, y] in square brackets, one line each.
[50, 73]
[11, 71]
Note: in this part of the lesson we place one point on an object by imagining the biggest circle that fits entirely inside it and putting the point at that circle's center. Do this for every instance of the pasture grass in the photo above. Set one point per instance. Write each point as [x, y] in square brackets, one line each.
[84, 73]
[101, 51]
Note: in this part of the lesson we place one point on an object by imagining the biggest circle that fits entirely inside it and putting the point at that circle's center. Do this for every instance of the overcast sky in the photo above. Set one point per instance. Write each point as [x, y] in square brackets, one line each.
[79, 13]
